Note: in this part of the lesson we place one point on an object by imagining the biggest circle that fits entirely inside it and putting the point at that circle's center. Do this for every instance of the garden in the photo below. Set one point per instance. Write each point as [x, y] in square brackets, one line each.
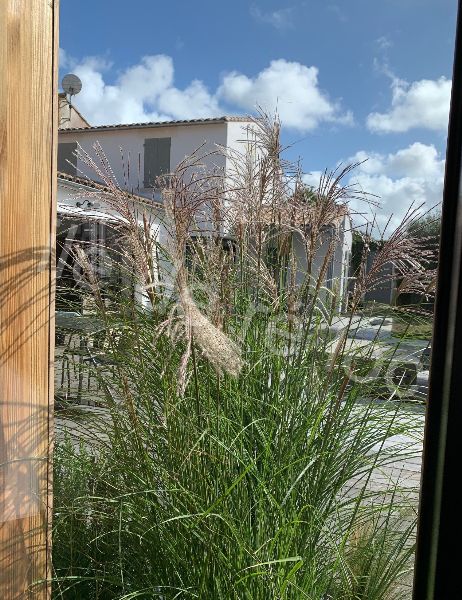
[231, 424]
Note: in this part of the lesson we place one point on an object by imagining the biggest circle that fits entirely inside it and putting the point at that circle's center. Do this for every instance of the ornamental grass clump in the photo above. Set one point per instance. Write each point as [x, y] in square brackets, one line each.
[233, 449]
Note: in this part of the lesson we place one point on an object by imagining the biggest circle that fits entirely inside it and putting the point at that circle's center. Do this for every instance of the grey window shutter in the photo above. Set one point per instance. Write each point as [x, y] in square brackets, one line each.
[66, 153]
[156, 159]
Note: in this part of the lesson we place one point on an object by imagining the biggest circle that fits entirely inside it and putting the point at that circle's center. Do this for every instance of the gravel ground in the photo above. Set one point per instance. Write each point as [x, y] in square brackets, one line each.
[404, 472]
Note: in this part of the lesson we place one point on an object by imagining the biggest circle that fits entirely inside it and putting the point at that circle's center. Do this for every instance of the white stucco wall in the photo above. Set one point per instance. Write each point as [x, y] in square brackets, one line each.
[318, 259]
[340, 264]
[237, 135]
[68, 116]
[185, 139]
[346, 248]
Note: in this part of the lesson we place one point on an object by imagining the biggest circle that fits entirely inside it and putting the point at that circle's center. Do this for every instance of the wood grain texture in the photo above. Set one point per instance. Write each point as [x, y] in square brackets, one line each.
[28, 123]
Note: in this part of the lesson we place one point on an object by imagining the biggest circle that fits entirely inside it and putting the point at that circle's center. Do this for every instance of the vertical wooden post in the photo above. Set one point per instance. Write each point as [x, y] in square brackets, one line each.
[28, 129]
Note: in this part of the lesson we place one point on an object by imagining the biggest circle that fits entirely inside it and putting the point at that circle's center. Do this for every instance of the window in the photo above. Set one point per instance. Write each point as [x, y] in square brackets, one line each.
[66, 158]
[156, 159]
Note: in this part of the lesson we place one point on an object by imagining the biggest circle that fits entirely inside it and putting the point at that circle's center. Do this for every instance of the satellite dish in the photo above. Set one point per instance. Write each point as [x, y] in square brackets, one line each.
[71, 84]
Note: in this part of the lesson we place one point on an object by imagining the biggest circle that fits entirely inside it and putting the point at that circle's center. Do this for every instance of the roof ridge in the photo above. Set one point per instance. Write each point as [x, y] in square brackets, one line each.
[222, 119]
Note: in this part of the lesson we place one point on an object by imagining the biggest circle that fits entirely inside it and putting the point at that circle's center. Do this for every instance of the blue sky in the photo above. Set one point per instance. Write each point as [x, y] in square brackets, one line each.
[351, 79]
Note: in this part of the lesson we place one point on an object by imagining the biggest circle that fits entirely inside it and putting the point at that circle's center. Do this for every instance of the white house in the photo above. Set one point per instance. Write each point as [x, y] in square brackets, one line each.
[151, 149]
[138, 153]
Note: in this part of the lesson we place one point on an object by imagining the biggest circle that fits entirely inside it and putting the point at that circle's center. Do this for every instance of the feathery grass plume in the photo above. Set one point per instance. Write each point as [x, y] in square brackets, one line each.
[409, 255]
[187, 193]
[133, 221]
[83, 261]
[183, 200]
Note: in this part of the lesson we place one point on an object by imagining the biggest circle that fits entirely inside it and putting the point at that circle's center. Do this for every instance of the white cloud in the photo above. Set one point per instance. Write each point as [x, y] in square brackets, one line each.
[312, 179]
[193, 100]
[338, 12]
[143, 92]
[291, 87]
[384, 43]
[63, 59]
[423, 103]
[147, 92]
[411, 175]
[281, 19]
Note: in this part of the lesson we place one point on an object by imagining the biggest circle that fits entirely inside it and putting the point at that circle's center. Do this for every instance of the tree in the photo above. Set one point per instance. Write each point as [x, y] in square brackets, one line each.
[427, 226]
